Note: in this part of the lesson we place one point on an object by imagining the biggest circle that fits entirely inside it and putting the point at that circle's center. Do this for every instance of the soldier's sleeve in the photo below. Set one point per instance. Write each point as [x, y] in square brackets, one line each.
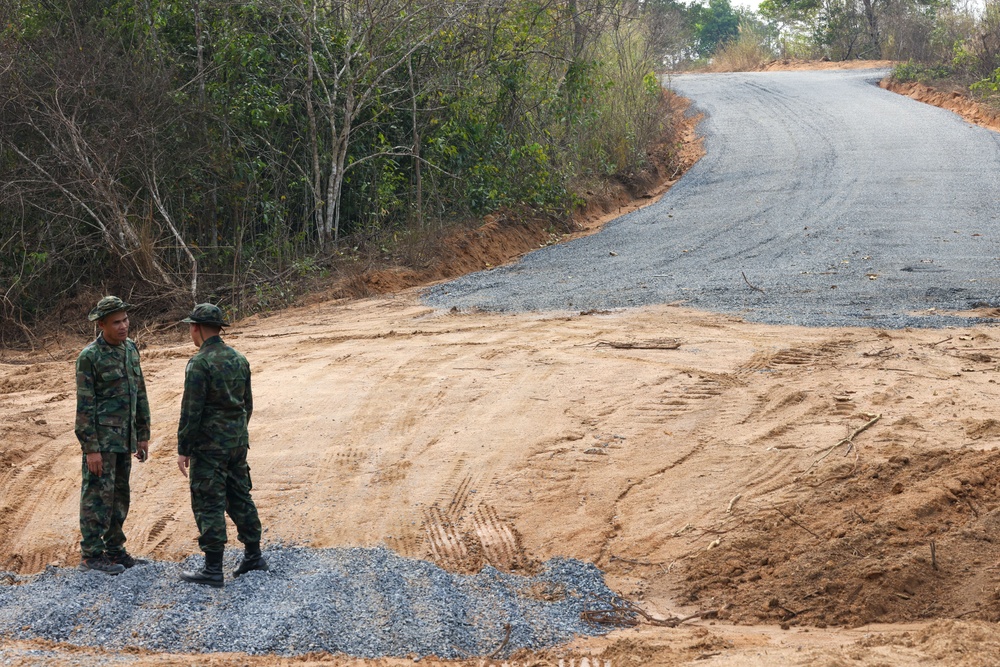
[248, 396]
[142, 418]
[192, 407]
[86, 405]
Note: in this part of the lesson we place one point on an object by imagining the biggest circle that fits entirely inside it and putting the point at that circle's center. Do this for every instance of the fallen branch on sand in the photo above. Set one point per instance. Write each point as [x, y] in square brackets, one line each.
[502, 646]
[849, 440]
[655, 344]
[633, 562]
[624, 613]
[797, 523]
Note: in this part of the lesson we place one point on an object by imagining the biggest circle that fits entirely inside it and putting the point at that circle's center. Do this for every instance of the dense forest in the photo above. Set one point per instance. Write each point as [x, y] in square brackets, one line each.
[174, 151]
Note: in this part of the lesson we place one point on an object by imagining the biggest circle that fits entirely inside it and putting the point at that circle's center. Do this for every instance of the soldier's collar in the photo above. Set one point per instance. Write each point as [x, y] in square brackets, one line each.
[100, 339]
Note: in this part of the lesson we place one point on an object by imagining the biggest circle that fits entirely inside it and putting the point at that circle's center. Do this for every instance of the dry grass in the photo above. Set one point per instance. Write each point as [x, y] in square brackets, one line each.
[747, 53]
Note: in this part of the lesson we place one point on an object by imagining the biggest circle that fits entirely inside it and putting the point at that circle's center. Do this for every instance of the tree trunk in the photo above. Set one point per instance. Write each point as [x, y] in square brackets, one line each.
[199, 35]
[873, 33]
[417, 186]
[317, 174]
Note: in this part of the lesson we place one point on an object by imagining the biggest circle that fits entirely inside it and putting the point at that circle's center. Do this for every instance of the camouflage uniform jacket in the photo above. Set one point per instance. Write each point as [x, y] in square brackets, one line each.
[217, 401]
[112, 411]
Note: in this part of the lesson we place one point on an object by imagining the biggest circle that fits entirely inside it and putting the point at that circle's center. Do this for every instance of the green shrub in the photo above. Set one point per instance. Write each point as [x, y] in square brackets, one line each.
[989, 85]
[911, 71]
[746, 53]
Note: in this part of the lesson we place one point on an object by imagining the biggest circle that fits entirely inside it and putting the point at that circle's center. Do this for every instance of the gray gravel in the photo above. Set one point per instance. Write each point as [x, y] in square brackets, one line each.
[362, 602]
[844, 203]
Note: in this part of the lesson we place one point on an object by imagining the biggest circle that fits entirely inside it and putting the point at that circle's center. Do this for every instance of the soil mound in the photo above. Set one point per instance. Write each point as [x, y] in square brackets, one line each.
[903, 537]
[954, 101]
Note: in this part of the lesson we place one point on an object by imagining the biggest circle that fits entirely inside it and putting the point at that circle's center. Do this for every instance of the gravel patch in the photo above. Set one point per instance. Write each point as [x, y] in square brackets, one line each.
[823, 200]
[366, 603]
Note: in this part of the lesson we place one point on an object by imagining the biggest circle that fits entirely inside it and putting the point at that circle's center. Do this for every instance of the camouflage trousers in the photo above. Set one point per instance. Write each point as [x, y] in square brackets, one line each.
[220, 485]
[104, 501]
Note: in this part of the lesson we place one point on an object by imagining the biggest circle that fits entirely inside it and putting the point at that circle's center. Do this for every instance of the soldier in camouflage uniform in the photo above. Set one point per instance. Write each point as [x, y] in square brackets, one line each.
[212, 441]
[112, 422]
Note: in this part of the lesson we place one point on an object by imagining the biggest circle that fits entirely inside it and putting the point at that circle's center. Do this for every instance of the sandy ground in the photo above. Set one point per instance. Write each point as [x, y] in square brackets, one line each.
[705, 463]
[818, 496]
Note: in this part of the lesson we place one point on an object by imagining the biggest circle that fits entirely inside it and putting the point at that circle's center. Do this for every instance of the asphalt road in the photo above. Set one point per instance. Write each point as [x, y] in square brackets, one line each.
[822, 200]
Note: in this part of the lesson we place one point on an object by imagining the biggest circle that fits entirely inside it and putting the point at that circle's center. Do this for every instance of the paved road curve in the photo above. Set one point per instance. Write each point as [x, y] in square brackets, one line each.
[846, 204]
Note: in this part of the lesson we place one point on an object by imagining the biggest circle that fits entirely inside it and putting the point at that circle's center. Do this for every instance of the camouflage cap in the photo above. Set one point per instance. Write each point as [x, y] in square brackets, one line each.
[206, 313]
[106, 306]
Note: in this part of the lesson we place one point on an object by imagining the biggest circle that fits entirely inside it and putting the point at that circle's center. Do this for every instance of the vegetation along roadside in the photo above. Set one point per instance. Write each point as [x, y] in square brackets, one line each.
[256, 152]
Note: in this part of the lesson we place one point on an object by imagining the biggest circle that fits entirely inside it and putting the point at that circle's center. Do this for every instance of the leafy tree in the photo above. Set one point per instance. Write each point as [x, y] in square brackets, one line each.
[715, 24]
[184, 149]
[844, 29]
[671, 30]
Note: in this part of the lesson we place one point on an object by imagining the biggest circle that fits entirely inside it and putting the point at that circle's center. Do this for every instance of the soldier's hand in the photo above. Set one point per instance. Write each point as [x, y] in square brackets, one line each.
[142, 451]
[95, 463]
[183, 462]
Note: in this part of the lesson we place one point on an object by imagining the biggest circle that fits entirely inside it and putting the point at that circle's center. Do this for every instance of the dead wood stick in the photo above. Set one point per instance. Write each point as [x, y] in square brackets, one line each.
[848, 440]
[665, 622]
[697, 614]
[607, 617]
[503, 645]
[796, 523]
[792, 612]
[633, 562]
[909, 372]
[623, 612]
[861, 429]
[838, 478]
[664, 344]
[933, 555]
[709, 531]
[753, 287]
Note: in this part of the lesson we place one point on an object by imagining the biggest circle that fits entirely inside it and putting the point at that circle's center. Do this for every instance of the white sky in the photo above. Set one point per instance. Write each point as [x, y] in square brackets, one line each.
[977, 5]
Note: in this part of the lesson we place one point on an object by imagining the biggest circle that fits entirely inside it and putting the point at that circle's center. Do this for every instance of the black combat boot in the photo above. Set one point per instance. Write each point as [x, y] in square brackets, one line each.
[100, 564]
[210, 575]
[252, 560]
[126, 560]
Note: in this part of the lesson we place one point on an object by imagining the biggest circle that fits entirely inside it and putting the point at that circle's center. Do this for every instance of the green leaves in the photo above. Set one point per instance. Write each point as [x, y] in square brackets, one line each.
[715, 25]
[990, 84]
[251, 133]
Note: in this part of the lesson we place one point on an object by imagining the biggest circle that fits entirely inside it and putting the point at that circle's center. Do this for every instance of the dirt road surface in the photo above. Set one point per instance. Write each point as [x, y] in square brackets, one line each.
[705, 463]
